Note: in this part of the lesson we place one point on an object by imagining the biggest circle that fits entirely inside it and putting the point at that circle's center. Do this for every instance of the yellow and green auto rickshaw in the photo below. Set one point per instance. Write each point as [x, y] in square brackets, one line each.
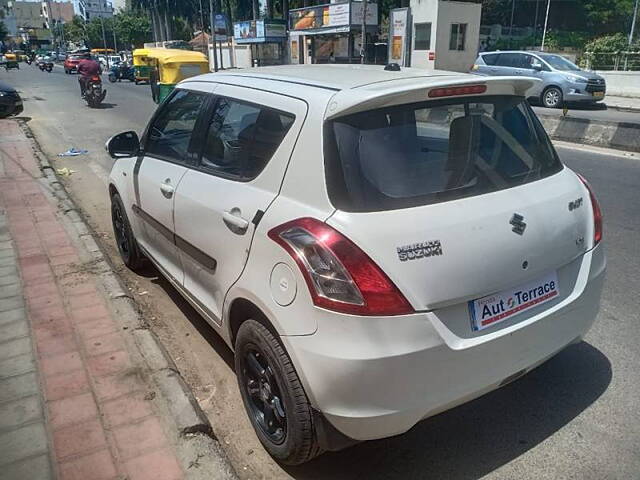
[141, 64]
[12, 60]
[170, 66]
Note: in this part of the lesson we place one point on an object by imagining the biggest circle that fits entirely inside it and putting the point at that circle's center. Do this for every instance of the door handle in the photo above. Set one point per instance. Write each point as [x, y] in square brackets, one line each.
[234, 221]
[166, 188]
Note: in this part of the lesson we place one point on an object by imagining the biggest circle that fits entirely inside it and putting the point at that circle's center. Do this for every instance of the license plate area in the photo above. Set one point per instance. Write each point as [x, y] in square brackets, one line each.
[598, 94]
[493, 309]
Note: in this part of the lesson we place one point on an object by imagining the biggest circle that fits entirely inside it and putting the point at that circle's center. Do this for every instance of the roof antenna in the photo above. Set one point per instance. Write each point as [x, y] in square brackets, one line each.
[392, 67]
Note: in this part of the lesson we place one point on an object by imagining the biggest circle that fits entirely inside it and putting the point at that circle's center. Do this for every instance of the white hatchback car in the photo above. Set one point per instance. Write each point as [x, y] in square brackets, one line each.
[376, 246]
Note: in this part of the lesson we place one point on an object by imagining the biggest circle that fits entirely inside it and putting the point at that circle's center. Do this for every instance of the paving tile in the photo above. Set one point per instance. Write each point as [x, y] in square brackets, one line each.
[13, 330]
[12, 315]
[12, 348]
[96, 328]
[138, 438]
[104, 344]
[78, 439]
[85, 300]
[19, 412]
[69, 410]
[126, 409]
[34, 468]
[22, 443]
[17, 365]
[55, 345]
[19, 386]
[158, 465]
[95, 466]
[46, 315]
[89, 313]
[109, 363]
[66, 385]
[9, 279]
[11, 302]
[112, 386]
[63, 363]
[9, 291]
[7, 260]
[40, 302]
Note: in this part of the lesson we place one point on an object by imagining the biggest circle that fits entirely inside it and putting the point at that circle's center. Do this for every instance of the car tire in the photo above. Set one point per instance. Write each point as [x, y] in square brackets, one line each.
[125, 240]
[552, 98]
[273, 394]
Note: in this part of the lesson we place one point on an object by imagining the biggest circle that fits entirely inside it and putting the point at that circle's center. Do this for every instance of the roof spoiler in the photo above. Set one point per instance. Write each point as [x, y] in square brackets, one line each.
[398, 92]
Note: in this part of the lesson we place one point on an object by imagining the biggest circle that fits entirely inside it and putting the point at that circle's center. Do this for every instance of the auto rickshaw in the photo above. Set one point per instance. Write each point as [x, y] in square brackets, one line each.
[11, 61]
[170, 66]
[141, 64]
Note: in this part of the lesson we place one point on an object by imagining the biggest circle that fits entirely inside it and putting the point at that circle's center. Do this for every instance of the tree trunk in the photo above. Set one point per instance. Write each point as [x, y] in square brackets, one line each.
[255, 8]
[285, 9]
[167, 25]
[228, 4]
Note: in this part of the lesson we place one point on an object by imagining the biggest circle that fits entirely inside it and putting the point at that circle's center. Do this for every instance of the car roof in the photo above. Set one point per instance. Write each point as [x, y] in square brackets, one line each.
[353, 88]
[5, 87]
[333, 77]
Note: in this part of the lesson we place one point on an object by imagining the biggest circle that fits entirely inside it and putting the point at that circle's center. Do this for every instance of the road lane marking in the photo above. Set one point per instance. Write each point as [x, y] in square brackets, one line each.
[597, 150]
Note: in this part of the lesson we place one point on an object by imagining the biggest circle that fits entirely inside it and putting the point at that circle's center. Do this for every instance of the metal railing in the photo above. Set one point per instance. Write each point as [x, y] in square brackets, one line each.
[623, 61]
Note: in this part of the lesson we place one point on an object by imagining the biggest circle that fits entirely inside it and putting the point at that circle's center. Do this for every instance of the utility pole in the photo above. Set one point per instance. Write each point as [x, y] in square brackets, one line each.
[633, 24]
[546, 21]
[363, 50]
[513, 9]
[535, 22]
[212, 12]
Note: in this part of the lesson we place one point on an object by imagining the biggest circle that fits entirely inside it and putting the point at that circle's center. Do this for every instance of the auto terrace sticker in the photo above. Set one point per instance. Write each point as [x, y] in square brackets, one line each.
[492, 309]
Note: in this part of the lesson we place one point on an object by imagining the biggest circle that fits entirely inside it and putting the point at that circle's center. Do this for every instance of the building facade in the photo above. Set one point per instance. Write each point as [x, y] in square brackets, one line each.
[98, 9]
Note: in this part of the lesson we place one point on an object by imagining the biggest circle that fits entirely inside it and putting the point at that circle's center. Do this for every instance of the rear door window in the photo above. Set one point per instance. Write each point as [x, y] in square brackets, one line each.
[242, 137]
[424, 153]
[491, 58]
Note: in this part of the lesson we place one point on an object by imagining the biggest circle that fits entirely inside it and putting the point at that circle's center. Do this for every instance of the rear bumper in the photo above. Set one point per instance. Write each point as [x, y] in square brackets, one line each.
[377, 377]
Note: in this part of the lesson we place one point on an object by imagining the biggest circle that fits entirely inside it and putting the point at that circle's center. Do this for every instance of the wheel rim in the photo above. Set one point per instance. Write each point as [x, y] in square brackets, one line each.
[552, 97]
[264, 397]
[120, 230]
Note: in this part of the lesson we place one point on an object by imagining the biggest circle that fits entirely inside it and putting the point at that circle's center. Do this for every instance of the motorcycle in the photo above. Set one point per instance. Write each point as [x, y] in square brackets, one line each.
[45, 65]
[94, 94]
[121, 72]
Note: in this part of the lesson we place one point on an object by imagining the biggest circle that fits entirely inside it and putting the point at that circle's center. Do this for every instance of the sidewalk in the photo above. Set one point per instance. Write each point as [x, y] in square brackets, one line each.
[623, 103]
[74, 403]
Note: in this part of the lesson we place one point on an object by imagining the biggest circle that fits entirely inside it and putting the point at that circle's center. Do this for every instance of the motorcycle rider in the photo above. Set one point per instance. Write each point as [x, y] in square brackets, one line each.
[87, 68]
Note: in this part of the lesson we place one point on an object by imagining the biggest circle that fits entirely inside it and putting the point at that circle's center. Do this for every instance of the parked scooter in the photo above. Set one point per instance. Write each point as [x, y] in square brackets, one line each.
[122, 71]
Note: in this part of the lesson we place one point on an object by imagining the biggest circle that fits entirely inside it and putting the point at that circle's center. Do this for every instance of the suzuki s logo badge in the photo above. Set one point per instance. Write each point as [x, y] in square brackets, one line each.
[517, 221]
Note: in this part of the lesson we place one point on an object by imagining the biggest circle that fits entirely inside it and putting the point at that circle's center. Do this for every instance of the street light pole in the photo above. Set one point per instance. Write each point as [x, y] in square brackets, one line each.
[363, 40]
[546, 21]
[212, 21]
[513, 9]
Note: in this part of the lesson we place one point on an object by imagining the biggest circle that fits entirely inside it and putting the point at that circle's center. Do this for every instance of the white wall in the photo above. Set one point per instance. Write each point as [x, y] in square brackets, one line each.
[238, 56]
[624, 84]
[457, 12]
[423, 11]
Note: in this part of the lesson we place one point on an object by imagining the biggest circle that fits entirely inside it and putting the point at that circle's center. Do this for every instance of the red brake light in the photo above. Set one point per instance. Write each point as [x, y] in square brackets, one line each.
[340, 276]
[95, 78]
[454, 91]
[597, 213]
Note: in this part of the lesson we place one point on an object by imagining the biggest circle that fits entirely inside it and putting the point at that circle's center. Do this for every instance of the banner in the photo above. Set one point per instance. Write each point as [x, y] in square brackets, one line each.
[398, 35]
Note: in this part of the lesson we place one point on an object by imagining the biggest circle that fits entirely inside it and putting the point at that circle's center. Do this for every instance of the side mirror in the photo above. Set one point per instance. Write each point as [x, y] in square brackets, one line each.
[124, 144]
[537, 67]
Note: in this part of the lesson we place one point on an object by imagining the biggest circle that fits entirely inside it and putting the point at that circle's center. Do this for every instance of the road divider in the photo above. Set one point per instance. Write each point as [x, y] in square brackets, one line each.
[618, 135]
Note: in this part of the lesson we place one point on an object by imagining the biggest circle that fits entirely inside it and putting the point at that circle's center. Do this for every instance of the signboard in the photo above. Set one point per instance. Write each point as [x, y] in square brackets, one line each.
[221, 27]
[399, 22]
[332, 18]
[259, 31]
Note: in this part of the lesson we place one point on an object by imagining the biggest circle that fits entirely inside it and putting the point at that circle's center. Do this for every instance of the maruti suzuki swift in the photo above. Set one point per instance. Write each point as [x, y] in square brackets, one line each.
[376, 246]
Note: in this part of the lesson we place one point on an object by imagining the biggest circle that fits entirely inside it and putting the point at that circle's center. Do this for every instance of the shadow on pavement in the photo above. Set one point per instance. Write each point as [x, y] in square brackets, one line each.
[587, 106]
[474, 439]
[104, 106]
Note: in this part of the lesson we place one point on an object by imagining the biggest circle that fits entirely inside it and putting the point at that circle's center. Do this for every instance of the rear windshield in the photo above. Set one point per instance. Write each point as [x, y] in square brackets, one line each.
[430, 152]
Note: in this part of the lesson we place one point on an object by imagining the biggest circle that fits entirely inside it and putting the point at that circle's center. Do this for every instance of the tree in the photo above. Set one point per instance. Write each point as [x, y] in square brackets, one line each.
[3, 31]
[133, 28]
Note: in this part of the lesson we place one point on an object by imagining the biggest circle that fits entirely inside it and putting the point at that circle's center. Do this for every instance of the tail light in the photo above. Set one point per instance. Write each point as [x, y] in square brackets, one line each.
[456, 91]
[95, 78]
[340, 276]
[597, 213]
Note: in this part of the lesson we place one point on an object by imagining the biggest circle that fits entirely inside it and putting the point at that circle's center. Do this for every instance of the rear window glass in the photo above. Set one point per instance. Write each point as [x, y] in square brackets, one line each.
[490, 59]
[423, 153]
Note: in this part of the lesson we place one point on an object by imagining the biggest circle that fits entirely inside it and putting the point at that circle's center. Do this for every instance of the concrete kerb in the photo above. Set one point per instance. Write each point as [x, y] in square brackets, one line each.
[617, 135]
[181, 403]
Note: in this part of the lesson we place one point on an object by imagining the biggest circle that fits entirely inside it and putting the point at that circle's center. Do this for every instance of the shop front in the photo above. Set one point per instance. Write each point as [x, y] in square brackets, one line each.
[330, 33]
[265, 38]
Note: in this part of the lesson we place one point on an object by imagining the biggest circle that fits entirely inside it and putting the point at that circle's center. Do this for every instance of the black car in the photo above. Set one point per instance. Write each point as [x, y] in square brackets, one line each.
[10, 101]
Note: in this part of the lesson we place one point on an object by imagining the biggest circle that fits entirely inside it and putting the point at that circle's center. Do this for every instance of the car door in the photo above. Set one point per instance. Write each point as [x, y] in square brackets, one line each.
[167, 152]
[540, 72]
[239, 173]
[490, 66]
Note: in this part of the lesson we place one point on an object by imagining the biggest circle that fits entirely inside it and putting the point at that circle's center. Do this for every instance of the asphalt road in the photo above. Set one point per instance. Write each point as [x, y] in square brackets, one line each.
[597, 111]
[576, 416]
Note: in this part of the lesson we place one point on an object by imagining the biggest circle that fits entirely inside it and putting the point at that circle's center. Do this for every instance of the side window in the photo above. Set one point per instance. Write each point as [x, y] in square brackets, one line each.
[422, 36]
[242, 138]
[508, 60]
[490, 59]
[171, 131]
[458, 36]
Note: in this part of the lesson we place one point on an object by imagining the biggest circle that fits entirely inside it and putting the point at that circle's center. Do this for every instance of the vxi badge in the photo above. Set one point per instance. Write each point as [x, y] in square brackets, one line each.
[517, 222]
